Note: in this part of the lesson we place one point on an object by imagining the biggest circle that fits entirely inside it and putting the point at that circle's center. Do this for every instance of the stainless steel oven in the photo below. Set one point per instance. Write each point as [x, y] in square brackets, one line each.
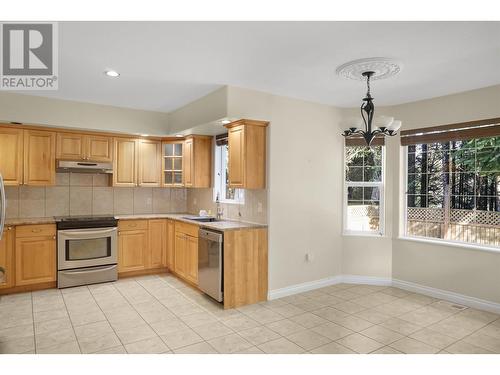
[86, 250]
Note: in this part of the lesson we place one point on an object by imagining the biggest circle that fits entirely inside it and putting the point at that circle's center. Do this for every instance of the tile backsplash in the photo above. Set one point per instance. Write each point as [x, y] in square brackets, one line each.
[253, 210]
[90, 194]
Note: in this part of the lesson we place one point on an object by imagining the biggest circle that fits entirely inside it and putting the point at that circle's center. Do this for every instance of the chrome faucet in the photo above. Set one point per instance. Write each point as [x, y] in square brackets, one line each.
[220, 210]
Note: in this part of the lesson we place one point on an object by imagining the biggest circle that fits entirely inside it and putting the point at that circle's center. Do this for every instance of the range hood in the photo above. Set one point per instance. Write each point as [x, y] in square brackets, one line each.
[83, 167]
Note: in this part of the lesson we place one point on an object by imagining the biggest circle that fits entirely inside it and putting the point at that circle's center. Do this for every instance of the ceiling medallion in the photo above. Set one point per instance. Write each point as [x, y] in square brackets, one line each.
[370, 69]
[381, 67]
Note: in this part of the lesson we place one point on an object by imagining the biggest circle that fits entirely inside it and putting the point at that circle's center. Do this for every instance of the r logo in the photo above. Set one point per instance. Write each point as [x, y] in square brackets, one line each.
[27, 49]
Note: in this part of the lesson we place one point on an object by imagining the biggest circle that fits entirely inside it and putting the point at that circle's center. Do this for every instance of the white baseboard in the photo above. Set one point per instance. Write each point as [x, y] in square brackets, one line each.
[304, 287]
[448, 296]
[316, 284]
[370, 280]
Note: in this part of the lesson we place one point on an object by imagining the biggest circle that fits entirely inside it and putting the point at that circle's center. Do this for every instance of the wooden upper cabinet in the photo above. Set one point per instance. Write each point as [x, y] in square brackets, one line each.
[149, 163]
[197, 161]
[70, 146]
[172, 163]
[39, 157]
[236, 151]
[11, 155]
[188, 162]
[125, 162]
[75, 146]
[99, 148]
[247, 154]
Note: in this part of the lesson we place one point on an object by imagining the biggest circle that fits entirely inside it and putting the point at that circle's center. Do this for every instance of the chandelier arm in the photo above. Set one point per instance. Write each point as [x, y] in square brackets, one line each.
[362, 109]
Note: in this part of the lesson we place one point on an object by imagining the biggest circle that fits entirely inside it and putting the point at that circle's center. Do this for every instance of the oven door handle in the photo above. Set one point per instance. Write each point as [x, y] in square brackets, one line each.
[99, 269]
[71, 233]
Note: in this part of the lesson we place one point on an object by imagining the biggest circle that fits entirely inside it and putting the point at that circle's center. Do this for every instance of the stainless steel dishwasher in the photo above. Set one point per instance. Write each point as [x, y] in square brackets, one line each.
[210, 263]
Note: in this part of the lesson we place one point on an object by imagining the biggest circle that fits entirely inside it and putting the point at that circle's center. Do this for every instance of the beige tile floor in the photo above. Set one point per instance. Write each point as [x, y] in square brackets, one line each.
[160, 314]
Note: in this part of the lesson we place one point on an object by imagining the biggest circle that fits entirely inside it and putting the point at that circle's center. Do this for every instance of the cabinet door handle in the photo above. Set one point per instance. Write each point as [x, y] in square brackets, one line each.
[36, 230]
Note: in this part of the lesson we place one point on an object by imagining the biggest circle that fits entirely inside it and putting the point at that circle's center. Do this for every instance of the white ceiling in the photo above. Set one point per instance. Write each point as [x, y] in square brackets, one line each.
[165, 65]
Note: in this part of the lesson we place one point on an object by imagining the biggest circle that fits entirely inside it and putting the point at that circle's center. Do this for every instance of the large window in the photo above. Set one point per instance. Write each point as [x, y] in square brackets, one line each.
[364, 189]
[453, 189]
[221, 185]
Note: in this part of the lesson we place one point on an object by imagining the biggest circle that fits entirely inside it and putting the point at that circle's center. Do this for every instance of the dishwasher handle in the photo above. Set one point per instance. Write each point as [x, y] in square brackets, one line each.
[210, 235]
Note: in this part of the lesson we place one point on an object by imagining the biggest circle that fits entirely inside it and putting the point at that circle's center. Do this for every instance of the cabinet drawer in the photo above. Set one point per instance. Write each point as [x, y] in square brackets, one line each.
[189, 229]
[132, 225]
[41, 230]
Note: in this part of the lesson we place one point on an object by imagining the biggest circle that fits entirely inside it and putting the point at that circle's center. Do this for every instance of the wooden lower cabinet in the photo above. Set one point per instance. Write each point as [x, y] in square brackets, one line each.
[7, 258]
[157, 244]
[142, 245]
[186, 251]
[170, 257]
[132, 250]
[192, 259]
[180, 254]
[35, 254]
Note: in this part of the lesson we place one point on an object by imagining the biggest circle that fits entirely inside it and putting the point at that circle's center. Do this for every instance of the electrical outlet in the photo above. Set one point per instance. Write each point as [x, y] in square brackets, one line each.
[259, 207]
[309, 257]
[195, 201]
[149, 201]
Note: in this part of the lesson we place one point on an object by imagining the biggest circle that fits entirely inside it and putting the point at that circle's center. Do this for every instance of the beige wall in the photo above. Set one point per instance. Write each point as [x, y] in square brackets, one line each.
[304, 194]
[466, 271]
[37, 110]
[90, 194]
[470, 272]
[202, 111]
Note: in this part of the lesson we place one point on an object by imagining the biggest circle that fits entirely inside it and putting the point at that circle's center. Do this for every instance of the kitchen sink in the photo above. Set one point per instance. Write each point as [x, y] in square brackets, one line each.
[201, 219]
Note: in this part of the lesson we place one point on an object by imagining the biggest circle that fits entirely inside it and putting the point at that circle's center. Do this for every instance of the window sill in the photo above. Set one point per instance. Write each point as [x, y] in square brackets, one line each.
[450, 243]
[231, 202]
[361, 234]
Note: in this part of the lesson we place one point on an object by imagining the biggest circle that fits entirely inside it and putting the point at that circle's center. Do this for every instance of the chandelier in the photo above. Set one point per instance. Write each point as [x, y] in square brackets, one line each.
[369, 126]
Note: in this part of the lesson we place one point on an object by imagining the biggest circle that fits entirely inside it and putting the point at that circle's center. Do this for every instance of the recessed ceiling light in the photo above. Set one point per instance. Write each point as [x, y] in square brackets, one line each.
[224, 122]
[112, 73]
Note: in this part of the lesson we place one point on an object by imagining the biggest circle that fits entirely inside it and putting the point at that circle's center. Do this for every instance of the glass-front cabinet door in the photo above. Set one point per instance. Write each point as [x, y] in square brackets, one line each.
[172, 164]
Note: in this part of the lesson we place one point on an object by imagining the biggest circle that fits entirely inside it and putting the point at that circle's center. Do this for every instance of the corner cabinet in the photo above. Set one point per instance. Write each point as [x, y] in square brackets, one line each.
[172, 163]
[197, 161]
[39, 158]
[247, 154]
[11, 155]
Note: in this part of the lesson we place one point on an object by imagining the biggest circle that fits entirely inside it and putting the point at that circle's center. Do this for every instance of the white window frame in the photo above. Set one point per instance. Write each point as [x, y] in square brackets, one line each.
[380, 185]
[403, 234]
[220, 180]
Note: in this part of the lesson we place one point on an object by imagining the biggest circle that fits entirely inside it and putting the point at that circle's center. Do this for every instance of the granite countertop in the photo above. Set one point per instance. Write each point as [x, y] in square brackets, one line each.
[222, 225]
[30, 220]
